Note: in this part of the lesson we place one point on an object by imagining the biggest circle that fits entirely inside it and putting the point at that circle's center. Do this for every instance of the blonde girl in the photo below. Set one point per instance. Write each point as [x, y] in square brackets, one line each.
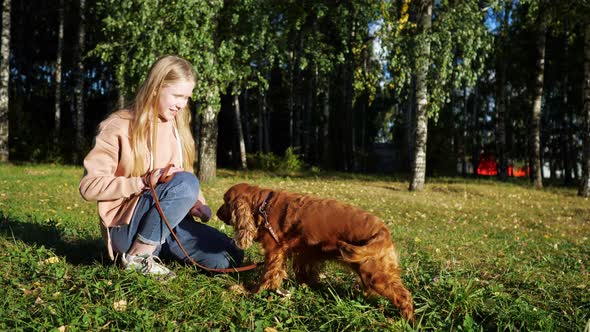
[151, 133]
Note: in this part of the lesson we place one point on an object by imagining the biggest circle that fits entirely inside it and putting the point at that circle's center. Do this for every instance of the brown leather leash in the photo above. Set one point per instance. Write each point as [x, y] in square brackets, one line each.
[165, 178]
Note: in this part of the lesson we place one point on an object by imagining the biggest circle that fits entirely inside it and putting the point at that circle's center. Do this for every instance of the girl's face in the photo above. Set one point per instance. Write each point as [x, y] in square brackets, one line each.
[173, 99]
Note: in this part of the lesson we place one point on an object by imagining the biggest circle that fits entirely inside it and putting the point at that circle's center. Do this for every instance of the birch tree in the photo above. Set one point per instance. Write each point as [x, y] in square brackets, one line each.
[79, 85]
[535, 132]
[58, 73]
[444, 50]
[4, 80]
[419, 161]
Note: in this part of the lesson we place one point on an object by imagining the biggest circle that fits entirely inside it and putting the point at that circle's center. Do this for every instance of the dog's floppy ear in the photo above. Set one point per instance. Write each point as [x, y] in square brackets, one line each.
[243, 222]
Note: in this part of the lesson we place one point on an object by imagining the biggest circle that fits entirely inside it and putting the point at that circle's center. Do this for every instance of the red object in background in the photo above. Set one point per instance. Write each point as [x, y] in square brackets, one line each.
[520, 172]
[487, 166]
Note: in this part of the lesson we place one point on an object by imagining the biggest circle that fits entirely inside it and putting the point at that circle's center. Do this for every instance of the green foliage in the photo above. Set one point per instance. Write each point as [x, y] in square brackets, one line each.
[291, 162]
[477, 255]
[138, 32]
[459, 45]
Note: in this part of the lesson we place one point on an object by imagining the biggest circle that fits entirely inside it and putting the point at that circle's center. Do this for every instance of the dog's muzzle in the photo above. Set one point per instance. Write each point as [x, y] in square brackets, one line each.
[224, 214]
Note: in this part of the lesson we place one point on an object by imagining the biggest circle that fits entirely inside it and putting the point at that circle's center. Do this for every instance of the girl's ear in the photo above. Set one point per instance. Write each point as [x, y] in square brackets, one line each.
[243, 223]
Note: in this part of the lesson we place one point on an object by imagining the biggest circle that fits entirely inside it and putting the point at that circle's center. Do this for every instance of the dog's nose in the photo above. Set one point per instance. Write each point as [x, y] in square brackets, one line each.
[223, 214]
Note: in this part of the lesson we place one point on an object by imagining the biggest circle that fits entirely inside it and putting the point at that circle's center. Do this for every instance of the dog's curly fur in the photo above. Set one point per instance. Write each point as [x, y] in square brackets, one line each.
[312, 230]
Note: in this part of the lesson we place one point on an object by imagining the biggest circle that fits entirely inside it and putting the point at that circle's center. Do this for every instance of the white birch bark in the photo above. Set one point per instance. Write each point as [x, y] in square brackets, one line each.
[419, 163]
[4, 80]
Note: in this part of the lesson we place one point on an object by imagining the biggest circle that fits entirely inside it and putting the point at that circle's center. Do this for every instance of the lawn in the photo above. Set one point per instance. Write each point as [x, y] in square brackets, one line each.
[477, 255]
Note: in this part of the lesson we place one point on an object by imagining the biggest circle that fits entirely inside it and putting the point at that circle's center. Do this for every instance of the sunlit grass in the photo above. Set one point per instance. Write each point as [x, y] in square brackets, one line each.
[477, 255]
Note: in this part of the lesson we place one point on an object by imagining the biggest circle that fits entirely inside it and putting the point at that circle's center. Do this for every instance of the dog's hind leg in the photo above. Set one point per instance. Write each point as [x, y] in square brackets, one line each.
[307, 268]
[394, 290]
[382, 277]
[377, 265]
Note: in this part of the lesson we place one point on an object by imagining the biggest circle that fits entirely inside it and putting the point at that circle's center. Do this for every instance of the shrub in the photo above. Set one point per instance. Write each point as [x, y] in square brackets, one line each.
[289, 163]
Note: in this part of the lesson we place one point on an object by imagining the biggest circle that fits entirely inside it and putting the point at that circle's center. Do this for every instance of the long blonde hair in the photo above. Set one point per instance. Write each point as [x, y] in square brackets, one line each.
[167, 70]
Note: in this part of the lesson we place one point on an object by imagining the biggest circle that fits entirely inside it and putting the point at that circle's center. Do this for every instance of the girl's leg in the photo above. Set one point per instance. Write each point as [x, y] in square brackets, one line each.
[205, 244]
[147, 227]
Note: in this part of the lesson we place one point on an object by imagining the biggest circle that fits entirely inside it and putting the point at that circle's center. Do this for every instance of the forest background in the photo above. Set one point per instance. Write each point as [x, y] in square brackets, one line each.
[355, 86]
[408, 88]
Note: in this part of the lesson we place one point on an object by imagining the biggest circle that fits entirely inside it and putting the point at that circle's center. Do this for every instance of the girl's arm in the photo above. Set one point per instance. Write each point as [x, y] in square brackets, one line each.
[100, 165]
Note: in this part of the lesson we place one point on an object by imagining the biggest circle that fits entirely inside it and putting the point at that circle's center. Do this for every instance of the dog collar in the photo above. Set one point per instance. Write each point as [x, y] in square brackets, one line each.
[267, 225]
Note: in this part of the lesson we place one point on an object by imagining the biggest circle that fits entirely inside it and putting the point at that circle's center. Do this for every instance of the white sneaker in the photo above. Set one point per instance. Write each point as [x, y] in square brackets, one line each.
[146, 264]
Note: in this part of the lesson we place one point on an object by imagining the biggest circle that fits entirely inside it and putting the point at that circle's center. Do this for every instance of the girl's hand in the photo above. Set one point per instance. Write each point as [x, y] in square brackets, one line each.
[201, 211]
[157, 173]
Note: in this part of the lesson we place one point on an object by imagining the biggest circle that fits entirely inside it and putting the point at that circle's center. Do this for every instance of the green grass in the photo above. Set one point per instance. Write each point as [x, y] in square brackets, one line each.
[477, 255]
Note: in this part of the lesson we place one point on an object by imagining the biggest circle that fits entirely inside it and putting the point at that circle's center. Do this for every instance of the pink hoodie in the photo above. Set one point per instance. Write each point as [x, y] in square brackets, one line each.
[107, 176]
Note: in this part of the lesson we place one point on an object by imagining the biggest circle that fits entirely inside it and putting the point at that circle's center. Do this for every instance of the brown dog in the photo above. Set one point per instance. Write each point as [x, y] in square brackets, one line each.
[313, 230]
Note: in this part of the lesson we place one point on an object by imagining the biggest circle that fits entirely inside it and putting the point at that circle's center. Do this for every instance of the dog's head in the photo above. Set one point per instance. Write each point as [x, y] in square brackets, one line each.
[237, 211]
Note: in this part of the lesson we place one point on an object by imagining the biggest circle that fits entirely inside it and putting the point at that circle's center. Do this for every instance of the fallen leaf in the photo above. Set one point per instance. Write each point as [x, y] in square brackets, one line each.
[51, 260]
[238, 289]
[120, 305]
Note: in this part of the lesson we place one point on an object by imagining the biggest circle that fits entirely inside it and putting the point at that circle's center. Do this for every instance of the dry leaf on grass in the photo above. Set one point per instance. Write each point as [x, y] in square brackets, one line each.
[238, 289]
[51, 260]
[120, 305]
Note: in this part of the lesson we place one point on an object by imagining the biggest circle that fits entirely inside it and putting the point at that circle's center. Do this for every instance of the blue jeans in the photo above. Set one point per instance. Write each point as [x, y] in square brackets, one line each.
[205, 244]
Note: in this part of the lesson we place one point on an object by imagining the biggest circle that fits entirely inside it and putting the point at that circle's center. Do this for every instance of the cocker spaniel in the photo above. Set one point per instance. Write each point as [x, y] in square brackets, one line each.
[312, 230]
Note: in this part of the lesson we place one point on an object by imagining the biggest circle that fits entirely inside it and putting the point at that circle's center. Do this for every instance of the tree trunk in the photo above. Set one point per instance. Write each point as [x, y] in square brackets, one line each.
[119, 75]
[79, 86]
[58, 60]
[263, 123]
[4, 80]
[350, 157]
[240, 132]
[537, 100]
[307, 126]
[502, 161]
[325, 129]
[409, 127]
[120, 100]
[565, 137]
[266, 112]
[502, 164]
[291, 100]
[584, 189]
[475, 141]
[246, 118]
[419, 163]
[464, 136]
[207, 161]
[260, 128]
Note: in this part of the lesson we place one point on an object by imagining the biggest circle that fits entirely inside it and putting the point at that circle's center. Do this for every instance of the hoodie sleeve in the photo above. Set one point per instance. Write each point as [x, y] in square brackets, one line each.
[101, 181]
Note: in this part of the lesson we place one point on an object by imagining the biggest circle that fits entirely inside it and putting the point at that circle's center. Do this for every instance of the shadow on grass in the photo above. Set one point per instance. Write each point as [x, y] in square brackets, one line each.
[77, 252]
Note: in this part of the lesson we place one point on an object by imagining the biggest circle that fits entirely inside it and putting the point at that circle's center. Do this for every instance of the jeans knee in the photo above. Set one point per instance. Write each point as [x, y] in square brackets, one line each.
[222, 260]
[186, 183]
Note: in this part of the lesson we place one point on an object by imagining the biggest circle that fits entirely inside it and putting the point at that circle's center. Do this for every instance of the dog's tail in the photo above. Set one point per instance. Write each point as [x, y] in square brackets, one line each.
[379, 245]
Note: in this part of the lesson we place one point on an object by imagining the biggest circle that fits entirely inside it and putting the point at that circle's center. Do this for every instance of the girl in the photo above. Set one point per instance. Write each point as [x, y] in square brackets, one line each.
[151, 133]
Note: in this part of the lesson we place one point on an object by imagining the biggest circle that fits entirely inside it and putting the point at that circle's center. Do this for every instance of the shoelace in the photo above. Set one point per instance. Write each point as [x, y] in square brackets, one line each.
[148, 263]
